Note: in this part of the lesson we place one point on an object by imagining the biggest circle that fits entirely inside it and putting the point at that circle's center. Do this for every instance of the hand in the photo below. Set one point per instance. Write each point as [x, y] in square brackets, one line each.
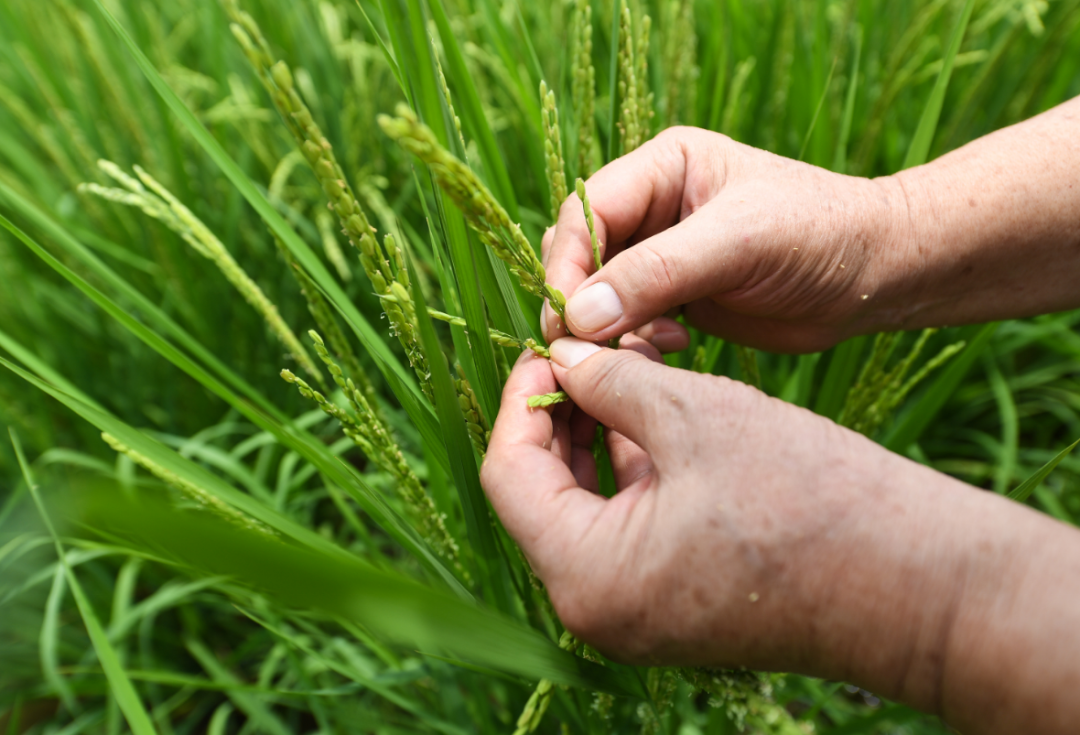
[747, 531]
[759, 249]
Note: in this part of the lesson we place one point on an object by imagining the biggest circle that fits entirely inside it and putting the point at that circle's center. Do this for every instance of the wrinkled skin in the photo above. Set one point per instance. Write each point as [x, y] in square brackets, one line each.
[747, 531]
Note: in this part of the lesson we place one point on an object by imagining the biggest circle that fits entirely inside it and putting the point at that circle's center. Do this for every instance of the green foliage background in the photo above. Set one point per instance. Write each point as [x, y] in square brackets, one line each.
[842, 84]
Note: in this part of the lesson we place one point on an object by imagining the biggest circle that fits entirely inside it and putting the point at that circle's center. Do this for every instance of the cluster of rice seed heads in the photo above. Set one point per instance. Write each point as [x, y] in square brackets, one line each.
[277, 78]
[878, 392]
[633, 60]
[746, 698]
[661, 684]
[449, 101]
[554, 164]
[328, 325]
[500, 338]
[482, 211]
[584, 86]
[594, 240]
[193, 492]
[700, 355]
[590, 222]
[540, 699]
[151, 197]
[479, 429]
[680, 60]
[749, 365]
[367, 431]
[547, 399]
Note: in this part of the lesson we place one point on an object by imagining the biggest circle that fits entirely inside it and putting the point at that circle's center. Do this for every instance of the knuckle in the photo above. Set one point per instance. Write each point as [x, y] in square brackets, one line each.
[605, 376]
[654, 271]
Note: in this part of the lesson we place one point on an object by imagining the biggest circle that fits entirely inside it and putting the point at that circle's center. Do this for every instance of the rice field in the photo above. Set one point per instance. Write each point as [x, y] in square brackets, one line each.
[264, 267]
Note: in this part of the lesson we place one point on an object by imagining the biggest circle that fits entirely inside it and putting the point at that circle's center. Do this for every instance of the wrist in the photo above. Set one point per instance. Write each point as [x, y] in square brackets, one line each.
[896, 585]
[895, 225]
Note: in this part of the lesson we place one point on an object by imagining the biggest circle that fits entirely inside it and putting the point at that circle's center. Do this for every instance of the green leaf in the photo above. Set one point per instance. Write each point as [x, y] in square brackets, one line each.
[122, 688]
[915, 420]
[462, 461]
[261, 717]
[1028, 486]
[919, 150]
[843, 364]
[307, 578]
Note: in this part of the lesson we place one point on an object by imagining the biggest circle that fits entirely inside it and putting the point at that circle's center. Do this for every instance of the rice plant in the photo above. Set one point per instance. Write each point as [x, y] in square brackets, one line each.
[208, 523]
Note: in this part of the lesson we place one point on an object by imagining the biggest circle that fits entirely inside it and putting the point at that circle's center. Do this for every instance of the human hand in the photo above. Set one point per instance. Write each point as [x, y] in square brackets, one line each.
[756, 248]
[737, 517]
[747, 531]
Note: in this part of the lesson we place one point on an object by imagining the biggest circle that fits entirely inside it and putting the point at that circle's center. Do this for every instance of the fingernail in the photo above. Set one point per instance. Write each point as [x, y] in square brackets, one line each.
[569, 351]
[595, 308]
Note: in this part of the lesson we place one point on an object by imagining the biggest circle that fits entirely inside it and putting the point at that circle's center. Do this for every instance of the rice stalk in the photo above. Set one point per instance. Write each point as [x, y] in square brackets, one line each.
[502, 339]
[475, 421]
[584, 87]
[158, 202]
[368, 433]
[189, 490]
[636, 111]
[540, 699]
[748, 363]
[680, 62]
[878, 392]
[554, 165]
[746, 698]
[382, 266]
[482, 211]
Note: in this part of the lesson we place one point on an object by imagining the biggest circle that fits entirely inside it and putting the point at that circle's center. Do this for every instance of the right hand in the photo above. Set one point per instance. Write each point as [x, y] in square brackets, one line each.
[755, 248]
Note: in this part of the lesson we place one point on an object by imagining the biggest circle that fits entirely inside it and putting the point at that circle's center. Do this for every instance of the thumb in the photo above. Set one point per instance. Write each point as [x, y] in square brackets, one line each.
[625, 391]
[645, 281]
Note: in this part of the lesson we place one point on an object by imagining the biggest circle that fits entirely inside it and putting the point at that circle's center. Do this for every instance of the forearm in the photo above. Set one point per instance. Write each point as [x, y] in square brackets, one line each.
[964, 605]
[991, 230]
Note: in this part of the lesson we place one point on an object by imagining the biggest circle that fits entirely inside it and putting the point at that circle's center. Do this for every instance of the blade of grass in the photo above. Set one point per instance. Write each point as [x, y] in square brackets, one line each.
[914, 421]
[817, 110]
[1010, 426]
[260, 716]
[843, 365]
[462, 463]
[1030, 485]
[386, 603]
[840, 161]
[919, 150]
[49, 639]
[122, 689]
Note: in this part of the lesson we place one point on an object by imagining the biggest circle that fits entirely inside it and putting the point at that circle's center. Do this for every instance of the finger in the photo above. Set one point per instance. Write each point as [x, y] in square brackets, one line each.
[626, 392]
[545, 244]
[762, 333]
[665, 334]
[640, 192]
[679, 265]
[629, 462]
[533, 491]
[582, 460]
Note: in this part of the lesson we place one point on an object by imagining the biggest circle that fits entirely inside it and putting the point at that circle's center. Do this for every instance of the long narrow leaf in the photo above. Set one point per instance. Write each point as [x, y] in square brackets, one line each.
[126, 696]
[919, 149]
[1028, 486]
[914, 421]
